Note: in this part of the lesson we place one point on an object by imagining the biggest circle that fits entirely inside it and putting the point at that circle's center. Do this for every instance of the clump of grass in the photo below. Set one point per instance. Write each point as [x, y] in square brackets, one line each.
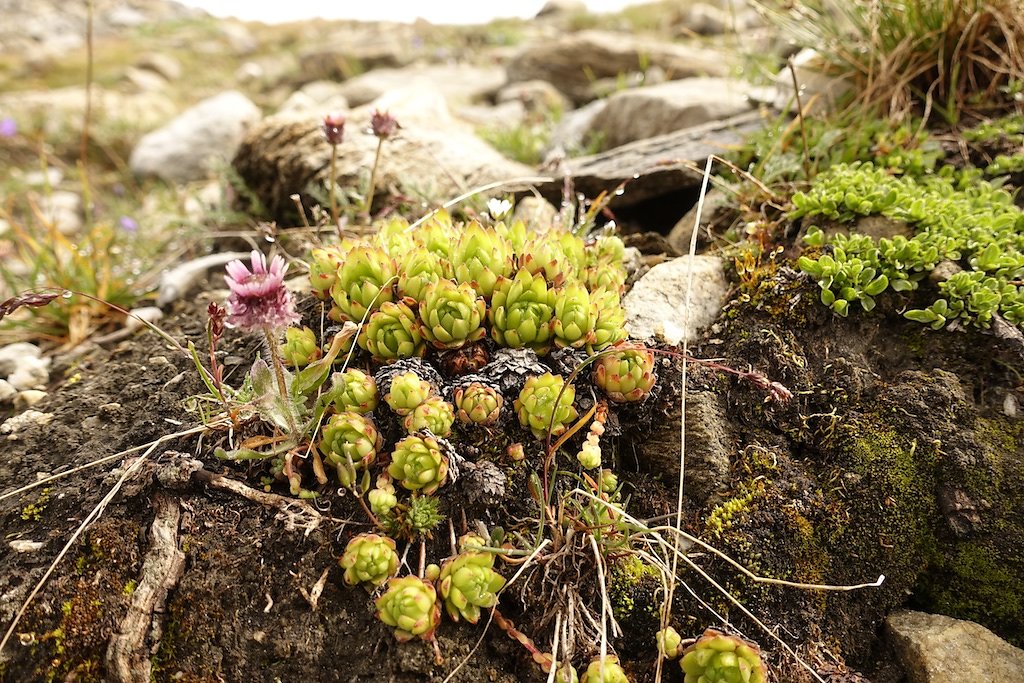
[925, 57]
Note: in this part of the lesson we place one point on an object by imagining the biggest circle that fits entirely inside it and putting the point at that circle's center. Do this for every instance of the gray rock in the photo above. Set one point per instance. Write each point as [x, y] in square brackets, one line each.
[318, 97]
[160, 63]
[569, 136]
[434, 157]
[534, 95]
[457, 83]
[28, 398]
[607, 55]
[23, 421]
[940, 649]
[818, 91]
[709, 444]
[144, 80]
[182, 150]
[534, 211]
[716, 203]
[554, 8]
[7, 392]
[657, 109]
[656, 166]
[656, 306]
[355, 49]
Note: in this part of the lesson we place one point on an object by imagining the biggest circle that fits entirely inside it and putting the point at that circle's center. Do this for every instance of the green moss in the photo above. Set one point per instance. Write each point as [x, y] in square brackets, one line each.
[34, 511]
[635, 590]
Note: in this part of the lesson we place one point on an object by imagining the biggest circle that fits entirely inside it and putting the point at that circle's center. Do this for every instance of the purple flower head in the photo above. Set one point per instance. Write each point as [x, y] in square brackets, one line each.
[8, 127]
[334, 128]
[383, 124]
[128, 224]
[259, 300]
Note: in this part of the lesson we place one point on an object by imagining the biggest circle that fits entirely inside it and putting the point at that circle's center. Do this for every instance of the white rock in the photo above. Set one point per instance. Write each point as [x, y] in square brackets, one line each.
[321, 97]
[940, 649]
[12, 355]
[656, 306]
[51, 177]
[23, 366]
[22, 421]
[456, 83]
[150, 314]
[28, 398]
[144, 80]
[25, 546]
[160, 63]
[7, 392]
[182, 150]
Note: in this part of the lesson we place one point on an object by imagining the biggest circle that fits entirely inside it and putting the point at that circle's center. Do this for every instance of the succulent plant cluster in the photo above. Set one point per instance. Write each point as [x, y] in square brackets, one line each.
[957, 217]
[719, 658]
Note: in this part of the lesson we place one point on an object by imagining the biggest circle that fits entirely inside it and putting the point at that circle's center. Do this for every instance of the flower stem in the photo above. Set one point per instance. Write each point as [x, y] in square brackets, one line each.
[368, 201]
[334, 185]
[275, 360]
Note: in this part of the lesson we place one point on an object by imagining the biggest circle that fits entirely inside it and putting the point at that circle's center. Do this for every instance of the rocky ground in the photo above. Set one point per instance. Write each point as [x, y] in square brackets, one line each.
[900, 454]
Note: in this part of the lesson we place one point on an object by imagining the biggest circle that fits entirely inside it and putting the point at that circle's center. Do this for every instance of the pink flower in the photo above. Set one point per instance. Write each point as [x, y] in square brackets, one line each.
[259, 300]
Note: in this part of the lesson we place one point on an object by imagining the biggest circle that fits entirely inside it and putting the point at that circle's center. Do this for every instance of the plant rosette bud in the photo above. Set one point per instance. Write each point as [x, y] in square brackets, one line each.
[590, 455]
[434, 414]
[369, 558]
[608, 482]
[478, 404]
[566, 673]
[392, 332]
[626, 376]
[720, 658]
[300, 347]
[610, 327]
[353, 390]
[522, 309]
[407, 392]
[409, 605]
[452, 315]
[419, 268]
[480, 257]
[418, 464]
[364, 282]
[575, 316]
[468, 583]
[539, 401]
[323, 270]
[543, 255]
[669, 642]
[349, 442]
[382, 500]
[608, 671]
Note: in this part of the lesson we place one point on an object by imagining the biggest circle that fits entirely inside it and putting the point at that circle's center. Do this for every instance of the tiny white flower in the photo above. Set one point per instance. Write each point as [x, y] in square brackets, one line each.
[498, 208]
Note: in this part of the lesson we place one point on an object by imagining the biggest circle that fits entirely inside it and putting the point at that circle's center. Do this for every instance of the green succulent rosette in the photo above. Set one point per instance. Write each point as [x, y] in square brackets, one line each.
[720, 658]
[349, 442]
[468, 583]
[605, 276]
[407, 392]
[419, 268]
[437, 234]
[434, 414]
[393, 332]
[393, 235]
[353, 390]
[566, 673]
[574, 251]
[364, 282]
[369, 558]
[606, 249]
[539, 401]
[323, 270]
[575, 317]
[626, 376]
[480, 257]
[542, 254]
[610, 327]
[478, 403]
[452, 315]
[300, 347]
[418, 464]
[409, 605]
[669, 642]
[522, 311]
[609, 671]
[515, 232]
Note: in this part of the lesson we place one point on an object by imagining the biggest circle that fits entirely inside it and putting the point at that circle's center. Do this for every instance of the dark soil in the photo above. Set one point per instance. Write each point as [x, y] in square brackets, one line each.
[894, 457]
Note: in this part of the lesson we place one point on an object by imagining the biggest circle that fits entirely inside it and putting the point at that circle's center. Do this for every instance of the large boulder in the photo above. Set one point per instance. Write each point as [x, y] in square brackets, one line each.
[182, 150]
[666, 107]
[458, 83]
[573, 62]
[434, 157]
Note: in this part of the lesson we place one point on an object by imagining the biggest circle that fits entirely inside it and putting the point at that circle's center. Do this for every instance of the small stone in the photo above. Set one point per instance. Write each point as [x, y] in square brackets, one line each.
[25, 546]
[656, 306]
[28, 398]
[24, 420]
[63, 209]
[110, 409]
[7, 391]
[1010, 406]
[150, 314]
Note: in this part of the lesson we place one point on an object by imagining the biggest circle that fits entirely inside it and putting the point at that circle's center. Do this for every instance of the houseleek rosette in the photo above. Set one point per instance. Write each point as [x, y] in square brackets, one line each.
[364, 282]
[539, 405]
[434, 414]
[409, 605]
[300, 347]
[369, 558]
[349, 442]
[719, 658]
[521, 311]
[418, 464]
[478, 403]
[627, 375]
[575, 316]
[407, 392]
[392, 332]
[607, 671]
[468, 583]
[480, 257]
[353, 390]
[452, 315]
